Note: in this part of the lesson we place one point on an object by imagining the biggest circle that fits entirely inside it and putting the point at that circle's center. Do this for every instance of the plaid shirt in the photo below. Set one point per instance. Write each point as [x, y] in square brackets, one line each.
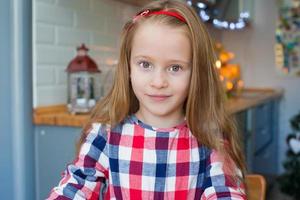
[137, 161]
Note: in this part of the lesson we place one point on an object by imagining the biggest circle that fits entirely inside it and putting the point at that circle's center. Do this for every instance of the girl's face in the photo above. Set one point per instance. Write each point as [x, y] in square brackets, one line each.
[160, 66]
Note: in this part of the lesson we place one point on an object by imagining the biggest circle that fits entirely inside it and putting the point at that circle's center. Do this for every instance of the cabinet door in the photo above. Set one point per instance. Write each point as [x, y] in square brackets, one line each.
[265, 159]
[263, 133]
[54, 149]
[244, 129]
[258, 127]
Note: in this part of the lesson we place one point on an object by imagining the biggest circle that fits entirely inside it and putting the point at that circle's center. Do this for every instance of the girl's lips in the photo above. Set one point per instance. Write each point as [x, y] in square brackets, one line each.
[159, 97]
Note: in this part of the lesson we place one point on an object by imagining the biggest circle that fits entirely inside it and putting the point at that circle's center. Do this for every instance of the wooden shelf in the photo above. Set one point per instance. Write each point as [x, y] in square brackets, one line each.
[252, 97]
[59, 116]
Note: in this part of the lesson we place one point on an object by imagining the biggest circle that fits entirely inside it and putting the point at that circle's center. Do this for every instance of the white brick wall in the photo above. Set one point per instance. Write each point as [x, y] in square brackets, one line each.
[62, 25]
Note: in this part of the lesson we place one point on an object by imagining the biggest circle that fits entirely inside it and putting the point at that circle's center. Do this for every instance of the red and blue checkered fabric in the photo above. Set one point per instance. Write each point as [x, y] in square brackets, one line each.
[137, 161]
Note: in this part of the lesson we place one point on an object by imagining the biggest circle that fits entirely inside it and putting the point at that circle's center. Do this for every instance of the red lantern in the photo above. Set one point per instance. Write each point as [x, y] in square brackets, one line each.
[82, 72]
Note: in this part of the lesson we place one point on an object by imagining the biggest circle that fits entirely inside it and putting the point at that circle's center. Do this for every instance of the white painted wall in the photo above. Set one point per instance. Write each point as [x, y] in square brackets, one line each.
[254, 49]
[59, 26]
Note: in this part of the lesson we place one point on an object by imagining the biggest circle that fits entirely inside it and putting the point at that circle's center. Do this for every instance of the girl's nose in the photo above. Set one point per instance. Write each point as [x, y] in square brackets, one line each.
[159, 80]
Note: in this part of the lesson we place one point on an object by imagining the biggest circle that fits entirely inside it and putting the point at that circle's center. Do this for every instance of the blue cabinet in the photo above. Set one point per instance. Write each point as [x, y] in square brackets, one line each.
[259, 129]
[243, 120]
[265, 137]
[54, 148]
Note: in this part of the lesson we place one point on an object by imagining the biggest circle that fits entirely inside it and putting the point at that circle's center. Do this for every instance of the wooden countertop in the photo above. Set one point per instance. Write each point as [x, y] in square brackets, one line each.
[59, 116]
[252, 97]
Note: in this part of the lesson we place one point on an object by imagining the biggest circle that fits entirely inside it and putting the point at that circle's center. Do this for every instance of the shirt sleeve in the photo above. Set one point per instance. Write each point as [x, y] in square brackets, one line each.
[86, 176]
[219, 181]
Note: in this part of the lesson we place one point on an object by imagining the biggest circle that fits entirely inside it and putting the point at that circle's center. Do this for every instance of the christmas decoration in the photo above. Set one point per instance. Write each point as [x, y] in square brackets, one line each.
[207, 13]
[230, 74]
[289, 181]
[82, 73]
[287, 47]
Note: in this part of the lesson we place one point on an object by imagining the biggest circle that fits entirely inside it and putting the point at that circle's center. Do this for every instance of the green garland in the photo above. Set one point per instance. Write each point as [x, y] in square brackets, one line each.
[289, 181]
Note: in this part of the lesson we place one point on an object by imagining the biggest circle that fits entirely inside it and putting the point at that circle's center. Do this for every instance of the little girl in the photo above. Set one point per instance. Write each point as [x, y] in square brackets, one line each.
[162, 132]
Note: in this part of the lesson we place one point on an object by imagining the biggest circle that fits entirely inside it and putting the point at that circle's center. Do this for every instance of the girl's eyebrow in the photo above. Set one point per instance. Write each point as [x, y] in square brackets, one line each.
[141, 56]
[171, 61]
[180, 61]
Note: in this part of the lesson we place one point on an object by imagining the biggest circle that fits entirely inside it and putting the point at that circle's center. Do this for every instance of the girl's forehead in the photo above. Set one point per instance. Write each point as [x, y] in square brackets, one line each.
[151, 26]
[160, 39]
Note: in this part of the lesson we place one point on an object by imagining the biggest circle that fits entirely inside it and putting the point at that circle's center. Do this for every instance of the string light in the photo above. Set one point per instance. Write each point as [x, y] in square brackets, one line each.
[201, 5]
[239, 24]
[189, 2]
[218, 64]
[204, 16]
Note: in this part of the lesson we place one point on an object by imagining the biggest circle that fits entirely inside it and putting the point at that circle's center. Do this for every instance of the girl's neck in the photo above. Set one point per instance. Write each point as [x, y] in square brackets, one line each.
[160, 121]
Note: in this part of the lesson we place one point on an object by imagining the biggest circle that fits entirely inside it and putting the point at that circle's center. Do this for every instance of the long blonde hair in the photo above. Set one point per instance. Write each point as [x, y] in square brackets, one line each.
[205, 105]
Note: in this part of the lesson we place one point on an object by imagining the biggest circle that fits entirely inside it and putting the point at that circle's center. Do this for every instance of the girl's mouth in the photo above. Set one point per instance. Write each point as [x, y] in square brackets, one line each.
[159, 97]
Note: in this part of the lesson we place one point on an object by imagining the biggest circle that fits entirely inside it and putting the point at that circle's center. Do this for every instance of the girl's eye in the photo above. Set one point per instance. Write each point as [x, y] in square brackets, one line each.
[144, 64]
[175, 68]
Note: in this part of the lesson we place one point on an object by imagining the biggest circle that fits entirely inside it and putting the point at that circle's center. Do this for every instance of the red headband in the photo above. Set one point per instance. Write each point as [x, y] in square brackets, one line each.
[161, 12]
